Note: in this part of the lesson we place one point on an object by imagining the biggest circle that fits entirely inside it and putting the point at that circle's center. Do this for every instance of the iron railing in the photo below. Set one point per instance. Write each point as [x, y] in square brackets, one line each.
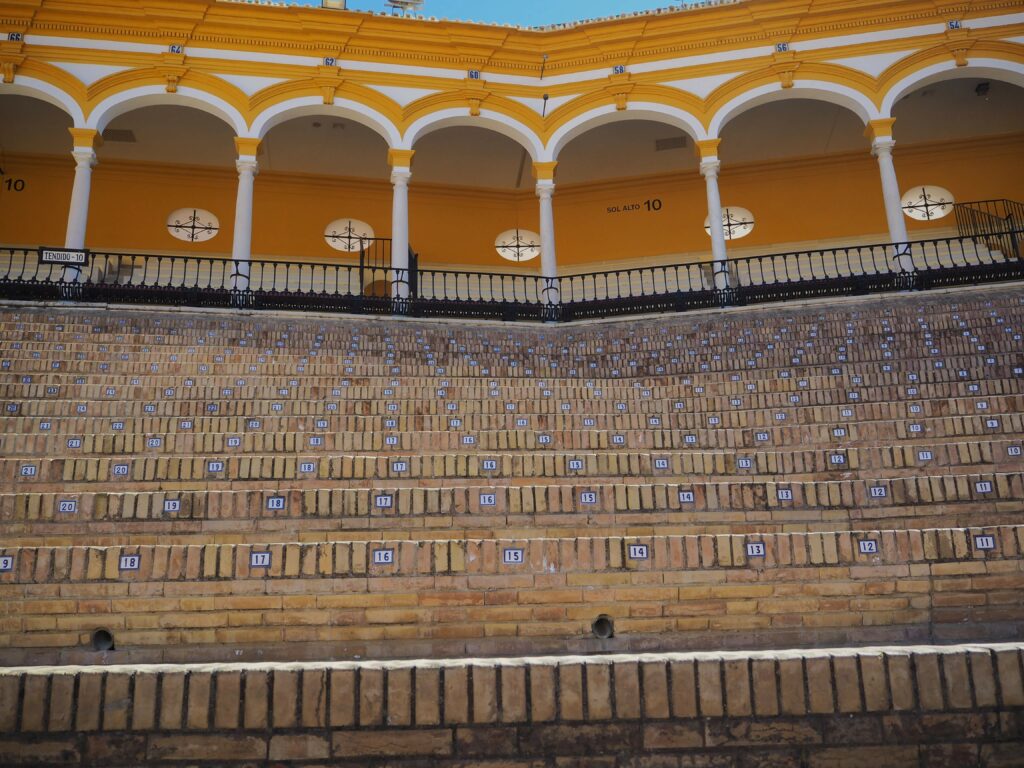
[994, 222]
[362, 288]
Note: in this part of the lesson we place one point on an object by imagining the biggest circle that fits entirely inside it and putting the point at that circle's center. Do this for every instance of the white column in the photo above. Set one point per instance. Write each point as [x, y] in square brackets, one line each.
[709, 167]
[881, 147]
[241, 248]
[78, 214]
[548, 255]
[400, 177]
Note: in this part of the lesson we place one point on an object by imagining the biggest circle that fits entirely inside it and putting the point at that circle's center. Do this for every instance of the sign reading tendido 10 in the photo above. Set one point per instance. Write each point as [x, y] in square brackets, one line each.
[63, 256]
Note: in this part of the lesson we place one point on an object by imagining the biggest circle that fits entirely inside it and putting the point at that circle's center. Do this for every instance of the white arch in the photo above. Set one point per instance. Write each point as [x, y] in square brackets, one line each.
[309, 106]
[833, 93]
[489, 119]
[659, 113]
[44, 91]
[153, 95]
[994, 69]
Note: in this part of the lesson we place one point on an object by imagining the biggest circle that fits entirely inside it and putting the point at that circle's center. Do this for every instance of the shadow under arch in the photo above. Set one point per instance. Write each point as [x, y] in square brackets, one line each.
[844, 96]
[311, 106]
[156, 95]
[989, 69]
[459, 117]
[44, 91]
[609, 113]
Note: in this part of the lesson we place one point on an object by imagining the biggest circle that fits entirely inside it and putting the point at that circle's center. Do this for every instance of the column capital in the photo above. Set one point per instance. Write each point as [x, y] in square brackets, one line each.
[84, 156]
[400, 158]
[86, 138]
[247, 165]
[879, 129]
[544, 171]
[709, 167]
[545, 189]
[882, 146]
[707, 148]
[400, 177]
[246, 147]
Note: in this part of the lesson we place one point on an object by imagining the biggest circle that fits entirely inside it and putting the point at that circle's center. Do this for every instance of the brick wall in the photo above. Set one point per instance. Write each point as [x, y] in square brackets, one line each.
[459, 598]
[878, 708]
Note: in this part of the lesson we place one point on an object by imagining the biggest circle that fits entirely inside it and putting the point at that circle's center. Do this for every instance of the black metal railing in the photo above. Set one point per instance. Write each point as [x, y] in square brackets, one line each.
[363, 288]
[994, 222]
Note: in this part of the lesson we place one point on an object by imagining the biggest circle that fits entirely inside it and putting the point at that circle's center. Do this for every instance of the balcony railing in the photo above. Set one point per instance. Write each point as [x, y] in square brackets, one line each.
[361, 288]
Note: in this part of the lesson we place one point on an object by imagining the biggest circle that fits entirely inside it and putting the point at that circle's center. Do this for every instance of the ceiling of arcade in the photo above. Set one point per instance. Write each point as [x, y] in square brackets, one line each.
[476, 157]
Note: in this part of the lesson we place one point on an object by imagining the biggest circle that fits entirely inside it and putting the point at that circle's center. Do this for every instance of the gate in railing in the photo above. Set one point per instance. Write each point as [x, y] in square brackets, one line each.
[367, 286]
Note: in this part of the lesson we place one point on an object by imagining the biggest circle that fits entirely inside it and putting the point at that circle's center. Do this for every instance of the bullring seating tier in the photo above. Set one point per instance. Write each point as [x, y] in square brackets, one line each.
[236, 487]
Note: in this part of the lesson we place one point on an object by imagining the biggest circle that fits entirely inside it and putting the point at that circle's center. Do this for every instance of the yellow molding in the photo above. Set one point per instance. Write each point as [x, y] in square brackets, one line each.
[364, 37]
[544, 171]
[879, 129]
[246, 147]
[400, 158]
[85, 138]
[707, 148]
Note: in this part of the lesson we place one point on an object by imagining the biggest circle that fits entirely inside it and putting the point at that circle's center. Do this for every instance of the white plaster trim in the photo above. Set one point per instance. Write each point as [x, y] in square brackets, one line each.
[88, 74]
[402, 96]
[495, 121]
[537, 105]
[268, 58]
[250, 84]
[40, 89]
[873, 65]
[702, 86]
[98, 45]
[881, 36]
[314, 105]
[150, 95]
[995, 21]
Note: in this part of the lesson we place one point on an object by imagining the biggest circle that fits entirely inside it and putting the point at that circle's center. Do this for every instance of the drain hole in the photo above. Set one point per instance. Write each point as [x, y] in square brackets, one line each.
[603, 627]
[102, 640]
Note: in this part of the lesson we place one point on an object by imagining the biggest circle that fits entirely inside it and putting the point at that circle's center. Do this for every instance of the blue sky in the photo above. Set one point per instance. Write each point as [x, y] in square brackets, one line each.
[528, 12]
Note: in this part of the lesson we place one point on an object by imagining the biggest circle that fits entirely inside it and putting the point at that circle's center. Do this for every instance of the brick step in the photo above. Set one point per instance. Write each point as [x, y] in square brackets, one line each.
[884, 707]
[487, 597]
[146, 472]
[321, 498]
[926, 432]
[996, 378]
[558, 413]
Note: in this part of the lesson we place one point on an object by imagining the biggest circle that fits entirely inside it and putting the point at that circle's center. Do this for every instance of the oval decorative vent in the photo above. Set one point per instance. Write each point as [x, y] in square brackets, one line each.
[928, 203]
[737, 222]
[193, 225]
[518, 245]
[348, 235]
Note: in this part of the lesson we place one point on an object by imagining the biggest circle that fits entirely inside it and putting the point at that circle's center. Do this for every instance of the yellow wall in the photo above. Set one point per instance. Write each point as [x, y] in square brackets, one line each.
[802, 200]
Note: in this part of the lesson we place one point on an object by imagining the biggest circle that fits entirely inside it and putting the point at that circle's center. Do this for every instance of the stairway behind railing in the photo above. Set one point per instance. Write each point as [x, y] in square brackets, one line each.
[993, 223]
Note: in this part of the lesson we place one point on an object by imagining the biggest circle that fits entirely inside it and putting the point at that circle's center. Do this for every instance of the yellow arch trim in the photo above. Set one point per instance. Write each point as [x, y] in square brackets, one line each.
[125, 81]
[438, 102]
[656, 94]
[345, 89]
[56, 77]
